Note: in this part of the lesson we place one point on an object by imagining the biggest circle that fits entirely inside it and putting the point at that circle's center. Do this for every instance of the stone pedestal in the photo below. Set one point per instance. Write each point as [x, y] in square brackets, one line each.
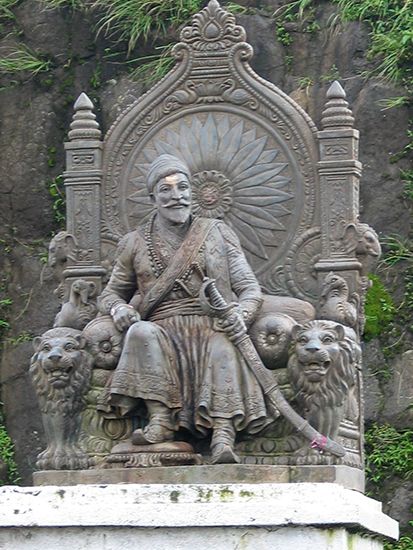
[302, 516]
[350, 478]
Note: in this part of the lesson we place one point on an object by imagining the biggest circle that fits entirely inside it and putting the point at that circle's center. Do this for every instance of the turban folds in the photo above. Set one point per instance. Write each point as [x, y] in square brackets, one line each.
[163, 166]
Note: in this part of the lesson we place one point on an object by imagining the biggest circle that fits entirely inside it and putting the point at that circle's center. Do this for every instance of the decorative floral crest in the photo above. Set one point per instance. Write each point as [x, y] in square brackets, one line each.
[212, 29]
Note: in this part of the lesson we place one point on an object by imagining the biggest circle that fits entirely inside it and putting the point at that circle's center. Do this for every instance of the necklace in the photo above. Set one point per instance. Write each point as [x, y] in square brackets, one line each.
[157, 264]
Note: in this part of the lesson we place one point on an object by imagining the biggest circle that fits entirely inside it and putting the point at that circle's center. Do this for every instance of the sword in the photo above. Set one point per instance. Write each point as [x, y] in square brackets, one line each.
[213, 303]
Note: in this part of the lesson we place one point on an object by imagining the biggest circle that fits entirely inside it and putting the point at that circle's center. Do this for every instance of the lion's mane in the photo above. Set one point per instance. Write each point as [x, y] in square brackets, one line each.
[325, 396]
[67, 399]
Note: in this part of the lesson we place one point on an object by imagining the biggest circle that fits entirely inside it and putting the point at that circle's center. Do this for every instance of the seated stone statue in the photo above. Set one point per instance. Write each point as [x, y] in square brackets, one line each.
[177, 360]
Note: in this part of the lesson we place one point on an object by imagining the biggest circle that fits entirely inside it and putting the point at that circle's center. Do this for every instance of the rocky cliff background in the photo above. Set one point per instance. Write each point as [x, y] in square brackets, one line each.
[300, 51]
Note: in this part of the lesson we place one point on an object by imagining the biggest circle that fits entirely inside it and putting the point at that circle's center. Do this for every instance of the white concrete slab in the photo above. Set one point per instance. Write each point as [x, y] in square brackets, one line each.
[231, 512]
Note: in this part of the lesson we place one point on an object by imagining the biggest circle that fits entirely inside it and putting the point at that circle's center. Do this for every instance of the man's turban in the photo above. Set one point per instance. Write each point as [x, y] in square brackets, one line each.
[163, 166]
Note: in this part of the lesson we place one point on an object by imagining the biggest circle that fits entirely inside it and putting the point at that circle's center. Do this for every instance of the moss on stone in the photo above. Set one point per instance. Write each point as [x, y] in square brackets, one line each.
[379, 309]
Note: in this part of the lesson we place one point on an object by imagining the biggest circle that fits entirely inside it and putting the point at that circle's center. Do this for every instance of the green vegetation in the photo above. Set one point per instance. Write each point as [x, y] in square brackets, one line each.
[151, 68]
[56, 191]
[7, 454]
[24, 60]
[379, 309]
[391, 23]
[404, 543]
[6, 9]
[388, 452]
[135, 19]
[5, 304]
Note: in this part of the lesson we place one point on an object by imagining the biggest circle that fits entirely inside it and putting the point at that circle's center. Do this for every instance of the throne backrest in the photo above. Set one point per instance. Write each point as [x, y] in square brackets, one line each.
[257, 160]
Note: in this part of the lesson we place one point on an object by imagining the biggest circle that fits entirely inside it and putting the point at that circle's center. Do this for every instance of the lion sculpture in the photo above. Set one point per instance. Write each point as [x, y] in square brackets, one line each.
[60, 369]
[322, 370]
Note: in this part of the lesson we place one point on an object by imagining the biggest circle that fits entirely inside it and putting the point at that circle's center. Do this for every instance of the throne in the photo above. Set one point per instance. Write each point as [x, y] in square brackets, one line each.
[258, 162]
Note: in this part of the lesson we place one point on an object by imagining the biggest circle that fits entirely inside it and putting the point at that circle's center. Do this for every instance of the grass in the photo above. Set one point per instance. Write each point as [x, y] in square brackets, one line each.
[132, 20]
[391, 23]
[6, 12]
[22, 59]
[397, 249]
[152, 68]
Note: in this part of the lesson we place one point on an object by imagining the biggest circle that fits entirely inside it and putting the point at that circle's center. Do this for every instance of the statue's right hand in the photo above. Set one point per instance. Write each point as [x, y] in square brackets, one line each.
[124, 316]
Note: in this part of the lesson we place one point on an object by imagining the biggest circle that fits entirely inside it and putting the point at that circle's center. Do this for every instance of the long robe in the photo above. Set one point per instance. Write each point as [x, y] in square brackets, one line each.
[179, 356]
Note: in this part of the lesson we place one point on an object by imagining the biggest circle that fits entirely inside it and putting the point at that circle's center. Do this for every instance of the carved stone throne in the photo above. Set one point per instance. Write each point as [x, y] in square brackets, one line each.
[258, 162]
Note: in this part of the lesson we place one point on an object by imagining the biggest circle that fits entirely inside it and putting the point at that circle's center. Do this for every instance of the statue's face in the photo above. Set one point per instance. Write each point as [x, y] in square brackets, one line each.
[172, 198]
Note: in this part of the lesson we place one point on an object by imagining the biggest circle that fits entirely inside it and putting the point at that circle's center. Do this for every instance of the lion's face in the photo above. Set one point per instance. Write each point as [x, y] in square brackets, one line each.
[317, 348]
[58, 356]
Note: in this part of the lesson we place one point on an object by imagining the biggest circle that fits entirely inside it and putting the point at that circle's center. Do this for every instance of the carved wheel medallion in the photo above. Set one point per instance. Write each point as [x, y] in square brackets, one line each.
[212, 194]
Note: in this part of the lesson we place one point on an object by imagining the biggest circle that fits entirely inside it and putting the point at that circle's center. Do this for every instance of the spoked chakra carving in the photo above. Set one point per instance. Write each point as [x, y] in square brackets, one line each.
[239, 174]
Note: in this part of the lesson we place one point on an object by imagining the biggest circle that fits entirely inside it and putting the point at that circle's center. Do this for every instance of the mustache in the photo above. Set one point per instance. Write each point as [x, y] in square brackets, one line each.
[181, 202]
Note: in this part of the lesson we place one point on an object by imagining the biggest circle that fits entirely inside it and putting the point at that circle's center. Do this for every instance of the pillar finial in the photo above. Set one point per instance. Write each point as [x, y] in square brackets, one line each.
[336, 113]
[84, 125]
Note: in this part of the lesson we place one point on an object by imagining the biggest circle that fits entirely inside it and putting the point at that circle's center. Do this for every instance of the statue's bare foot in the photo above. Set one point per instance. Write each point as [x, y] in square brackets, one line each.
[152, 433]
[222, 453]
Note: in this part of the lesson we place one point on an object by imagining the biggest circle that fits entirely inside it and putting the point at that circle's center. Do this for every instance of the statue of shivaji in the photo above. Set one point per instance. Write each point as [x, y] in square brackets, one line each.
[177, 360]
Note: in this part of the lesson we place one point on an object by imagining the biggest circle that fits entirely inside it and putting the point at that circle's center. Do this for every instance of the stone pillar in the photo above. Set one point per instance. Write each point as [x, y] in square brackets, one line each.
[82, 180]
[339, 171]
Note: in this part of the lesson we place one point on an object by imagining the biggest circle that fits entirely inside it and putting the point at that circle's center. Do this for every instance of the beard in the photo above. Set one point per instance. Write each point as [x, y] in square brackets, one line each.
[176, 214]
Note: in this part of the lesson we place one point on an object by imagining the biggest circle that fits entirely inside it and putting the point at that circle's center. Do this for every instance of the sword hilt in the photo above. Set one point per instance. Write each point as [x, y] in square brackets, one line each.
[212, 301]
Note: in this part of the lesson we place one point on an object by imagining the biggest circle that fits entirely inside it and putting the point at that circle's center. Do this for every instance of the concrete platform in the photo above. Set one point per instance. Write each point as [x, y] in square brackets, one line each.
[302, 516]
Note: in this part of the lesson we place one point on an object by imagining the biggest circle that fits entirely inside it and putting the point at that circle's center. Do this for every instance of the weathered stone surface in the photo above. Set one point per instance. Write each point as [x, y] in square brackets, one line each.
[253, 538]
[219, 473]
[398, 398]
[201, 505]
[373, 361]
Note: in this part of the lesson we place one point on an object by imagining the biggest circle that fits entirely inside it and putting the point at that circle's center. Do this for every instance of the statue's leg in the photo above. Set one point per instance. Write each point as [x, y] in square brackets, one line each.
[147, 371]
[160, 427]
[222, 443]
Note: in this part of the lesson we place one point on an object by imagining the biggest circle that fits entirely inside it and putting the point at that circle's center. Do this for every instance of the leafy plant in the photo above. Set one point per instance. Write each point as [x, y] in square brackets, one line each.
[283, 35]
[56, 191]
[388, 452]
[96, 78]
[332, 74]
[404, 543]
[7, 453]
[379, 309]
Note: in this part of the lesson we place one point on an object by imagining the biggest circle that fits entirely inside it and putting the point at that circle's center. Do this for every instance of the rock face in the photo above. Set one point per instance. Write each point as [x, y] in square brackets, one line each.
[35, 114]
